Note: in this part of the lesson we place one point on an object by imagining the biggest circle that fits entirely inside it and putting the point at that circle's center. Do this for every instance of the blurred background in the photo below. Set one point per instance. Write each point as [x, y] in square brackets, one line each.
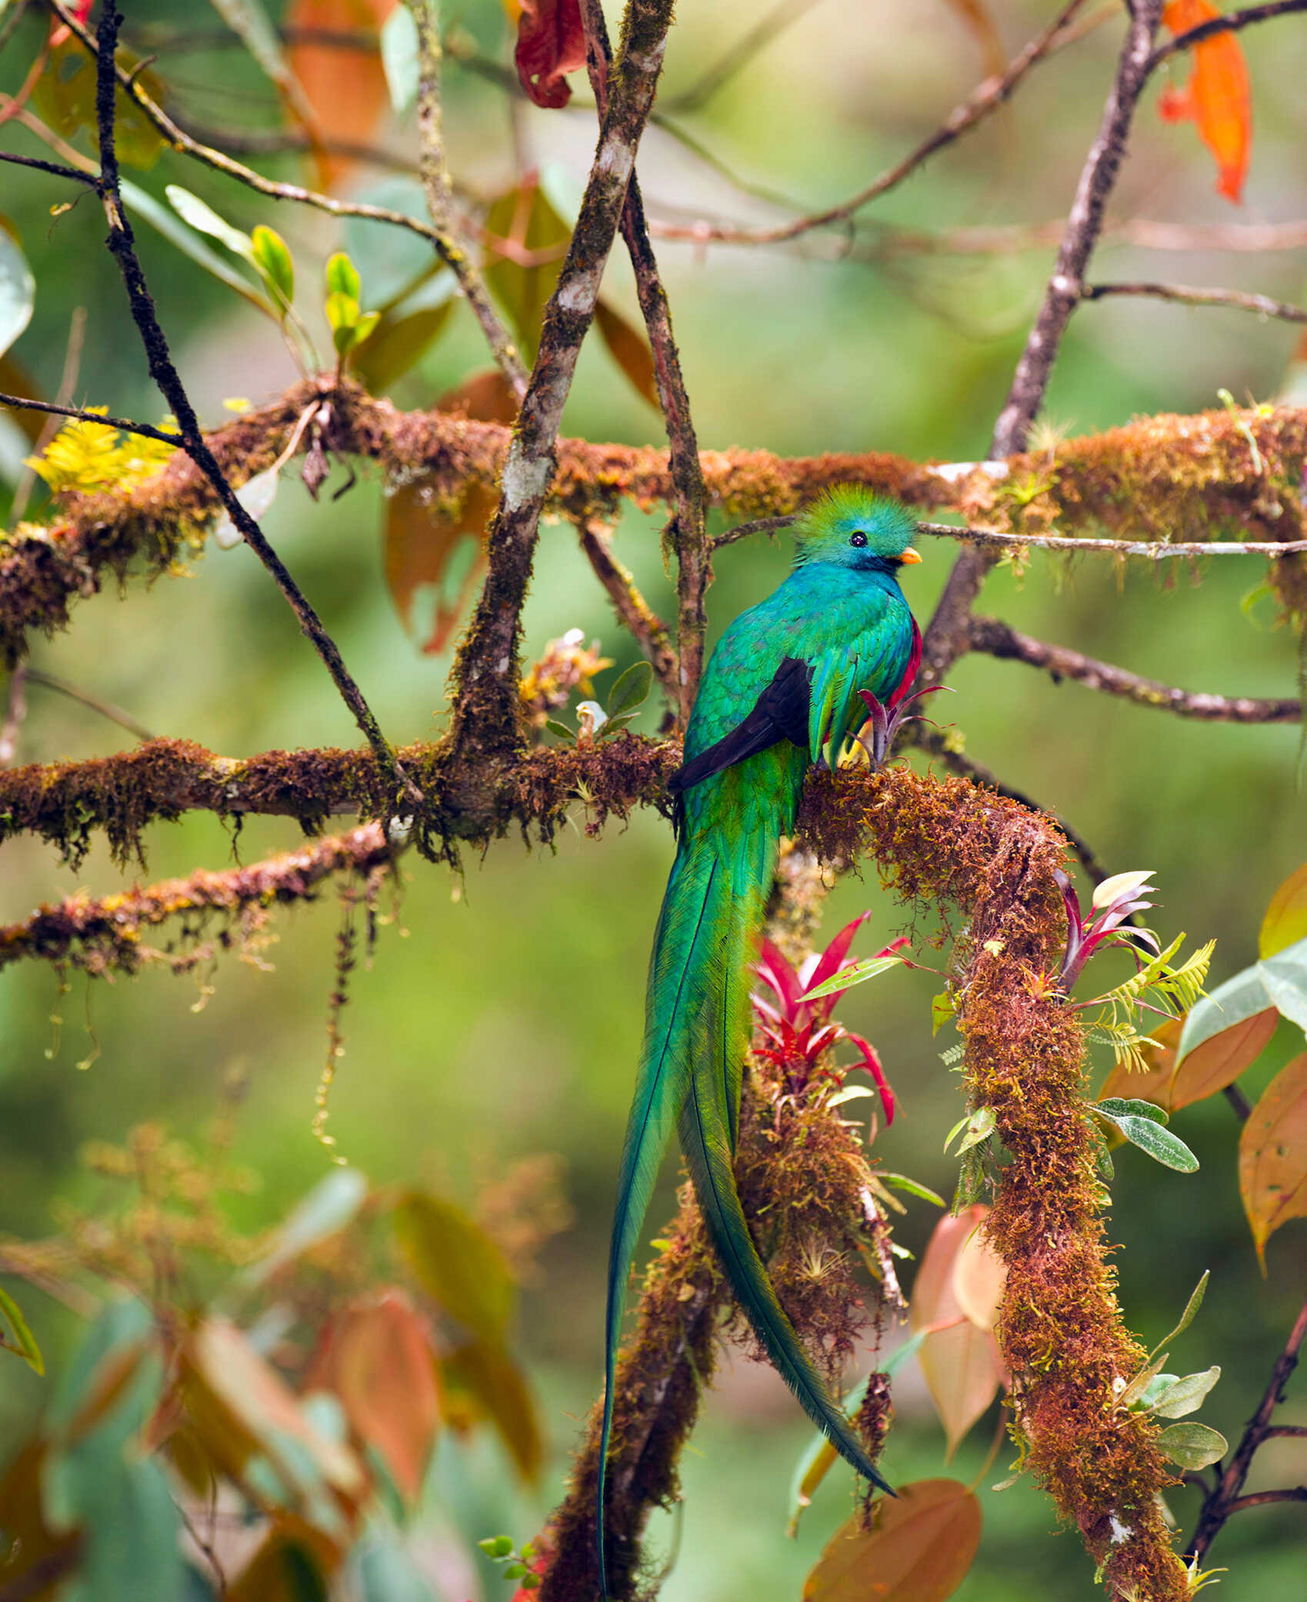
[500, 1014]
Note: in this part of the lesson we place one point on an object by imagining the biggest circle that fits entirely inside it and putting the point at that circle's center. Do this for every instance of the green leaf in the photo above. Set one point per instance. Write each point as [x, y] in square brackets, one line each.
[1185, 1395]
[561, 730]
[274, 261]
[456, 1263]
[496, 1546]
[366, 326]
[1285, 978]
[342, 312]
[250, 23]
[399, 57]
[856, 974]
[17, 291]
[385, 1570]
[1192, 1446]
[630, 690]
[342, 276]
[1146, 1132]
[144, 205]
[24, 1342]
[979, 1125]
[1190, 1312]
[942, 1008]
[912, 1186]
[1115, 1107]
[1234, 1002]
[202, 217]
[400, 340]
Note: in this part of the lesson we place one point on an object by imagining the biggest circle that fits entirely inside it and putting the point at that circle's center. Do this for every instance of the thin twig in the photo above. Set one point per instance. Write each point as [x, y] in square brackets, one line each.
[106, 709]
[631, 607]
[1225, 1499]
[1152, 550]
[688, 529]
[1263, 305]
[440, 191]
[987, 98]
[1230, 23]
[996, 638]
[84, 414]
[758, 525]
[54, 168]
[1294, 1493]
[447, 249]
[122, 247]
[484, 681]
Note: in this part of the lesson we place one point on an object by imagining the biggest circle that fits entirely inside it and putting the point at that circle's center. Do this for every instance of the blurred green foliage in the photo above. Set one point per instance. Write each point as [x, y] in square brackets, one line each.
[500, 1015]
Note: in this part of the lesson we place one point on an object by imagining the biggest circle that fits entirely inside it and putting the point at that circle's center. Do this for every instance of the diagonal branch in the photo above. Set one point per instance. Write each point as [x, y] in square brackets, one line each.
[647, 628]
[1232, 22]
[122, 247]
[987, 98]
[687, 533]
[484, 680]
[998, 639]
[1225, 1498]
[946, 634]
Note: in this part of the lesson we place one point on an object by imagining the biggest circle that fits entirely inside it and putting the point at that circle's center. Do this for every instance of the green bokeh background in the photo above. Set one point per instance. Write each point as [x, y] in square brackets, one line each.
[501, 1014]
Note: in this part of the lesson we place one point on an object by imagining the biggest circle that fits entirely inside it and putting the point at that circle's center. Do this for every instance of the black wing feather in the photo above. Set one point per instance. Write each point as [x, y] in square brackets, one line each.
[780, 713]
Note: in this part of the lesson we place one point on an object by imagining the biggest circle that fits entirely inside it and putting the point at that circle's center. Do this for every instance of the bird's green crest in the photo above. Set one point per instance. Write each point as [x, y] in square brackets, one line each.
[826, 529]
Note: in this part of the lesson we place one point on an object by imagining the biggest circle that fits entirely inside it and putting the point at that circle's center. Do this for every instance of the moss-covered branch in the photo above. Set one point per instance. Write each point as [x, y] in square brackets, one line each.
[1060, 1330]
[1215, 475]
[105, 934]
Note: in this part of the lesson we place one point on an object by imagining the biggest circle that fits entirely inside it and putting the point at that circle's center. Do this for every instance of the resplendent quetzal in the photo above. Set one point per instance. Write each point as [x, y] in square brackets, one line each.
[780, 692]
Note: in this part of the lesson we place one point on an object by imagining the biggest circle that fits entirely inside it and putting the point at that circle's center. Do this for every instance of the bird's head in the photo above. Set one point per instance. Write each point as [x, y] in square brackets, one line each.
[851, 527]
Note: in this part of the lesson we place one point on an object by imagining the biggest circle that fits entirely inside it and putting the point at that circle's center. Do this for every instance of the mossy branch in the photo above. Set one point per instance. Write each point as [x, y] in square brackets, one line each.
[1060, 1330]
[1229, 473]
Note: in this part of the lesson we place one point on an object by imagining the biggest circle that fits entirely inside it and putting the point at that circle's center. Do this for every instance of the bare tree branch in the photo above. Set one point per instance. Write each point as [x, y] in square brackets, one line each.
[996, 638]
[1263, 305]
[1225, 1498]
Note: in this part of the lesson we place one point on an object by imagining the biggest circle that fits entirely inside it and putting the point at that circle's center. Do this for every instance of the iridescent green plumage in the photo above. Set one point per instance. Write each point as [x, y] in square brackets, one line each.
[780, 692]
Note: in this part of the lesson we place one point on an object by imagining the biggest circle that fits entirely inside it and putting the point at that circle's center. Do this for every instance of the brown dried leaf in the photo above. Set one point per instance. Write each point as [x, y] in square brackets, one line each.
[293, 1564]
[629, 349]
[492, 1387]
[1273, 1155]
[961, 1362]
[920, 1550]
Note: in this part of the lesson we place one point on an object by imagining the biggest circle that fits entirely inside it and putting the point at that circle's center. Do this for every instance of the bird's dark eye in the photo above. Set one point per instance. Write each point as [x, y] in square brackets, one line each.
[859, 539]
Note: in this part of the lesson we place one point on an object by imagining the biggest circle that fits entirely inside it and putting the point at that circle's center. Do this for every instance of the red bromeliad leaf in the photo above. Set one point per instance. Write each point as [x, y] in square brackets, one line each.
[960, 1360]
[345, 89]
[1273, 1155]
[1217, 97]
[378, 1358]
[832, 959]
[550, 43]
[920, 1549]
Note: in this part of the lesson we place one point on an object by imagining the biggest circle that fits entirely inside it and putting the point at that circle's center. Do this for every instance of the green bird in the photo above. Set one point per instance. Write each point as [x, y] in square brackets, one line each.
[780, 691]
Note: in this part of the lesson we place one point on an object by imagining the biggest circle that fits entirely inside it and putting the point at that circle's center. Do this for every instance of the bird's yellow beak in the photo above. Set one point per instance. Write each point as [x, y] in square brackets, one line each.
[910, 556]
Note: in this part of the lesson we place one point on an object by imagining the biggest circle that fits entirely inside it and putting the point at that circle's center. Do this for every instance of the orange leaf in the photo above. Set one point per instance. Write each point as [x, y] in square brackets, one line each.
[1217, 96]
[629, 349]
[1210, 1067]
[550, 43]
[493, 1387]
[293, 1564]
[920, 1550]
[1155, 1085]
[345, 88]
[979, 1275]
[961, 1361]
[434, 556]
[1285, 922]
[985, 32]
[1273, 1155]
[377, 1357]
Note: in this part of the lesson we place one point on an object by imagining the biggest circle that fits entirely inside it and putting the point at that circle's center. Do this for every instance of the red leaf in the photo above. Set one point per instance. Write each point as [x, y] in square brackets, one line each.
[550, 43]
[345, 88]
[1216, 98]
